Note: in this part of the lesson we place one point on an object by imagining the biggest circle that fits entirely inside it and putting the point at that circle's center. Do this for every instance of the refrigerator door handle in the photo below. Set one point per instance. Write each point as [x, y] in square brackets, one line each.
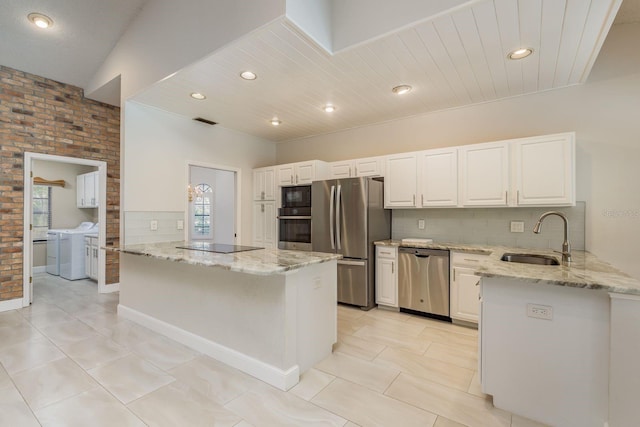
[332, 216]
[338, 229]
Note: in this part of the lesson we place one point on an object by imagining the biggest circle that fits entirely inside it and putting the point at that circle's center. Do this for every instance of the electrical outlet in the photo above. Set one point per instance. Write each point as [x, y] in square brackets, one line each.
[180, 224]
[421, 224]
[517, 226]
[153, 225]
[540, 311]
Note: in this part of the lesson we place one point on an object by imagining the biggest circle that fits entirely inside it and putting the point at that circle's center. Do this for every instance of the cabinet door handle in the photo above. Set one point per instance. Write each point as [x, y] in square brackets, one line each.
[262, 195]
[518, 196]
[297, 179]
[414, 200]
[262, 207]
[385, 253]
[291, 179]
[356, 168]
[87, 250]
[422, 200]
[454, 274]
[506, 197]
[392, 267]
[472, 260]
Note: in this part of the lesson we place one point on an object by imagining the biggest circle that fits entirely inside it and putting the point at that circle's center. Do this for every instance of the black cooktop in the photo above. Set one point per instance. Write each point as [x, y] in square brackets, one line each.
[219, 248]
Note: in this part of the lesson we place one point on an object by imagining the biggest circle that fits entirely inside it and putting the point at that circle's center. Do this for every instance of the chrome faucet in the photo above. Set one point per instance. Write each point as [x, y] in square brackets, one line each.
[566, 247]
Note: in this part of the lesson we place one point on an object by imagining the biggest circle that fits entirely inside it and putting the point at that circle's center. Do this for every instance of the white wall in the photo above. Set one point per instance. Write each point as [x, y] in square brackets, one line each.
[314, 18]
[356, 21]
[168, 35]
[157, 147]
[604, 112]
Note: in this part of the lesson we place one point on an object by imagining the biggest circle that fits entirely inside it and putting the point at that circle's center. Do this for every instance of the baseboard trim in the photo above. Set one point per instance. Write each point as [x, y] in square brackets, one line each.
[282, 379]
[112, 287]
[12, 304]
[40, 269]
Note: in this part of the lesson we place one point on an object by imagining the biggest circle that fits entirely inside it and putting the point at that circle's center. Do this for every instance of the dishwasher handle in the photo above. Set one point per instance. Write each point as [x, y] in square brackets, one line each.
[423, 252]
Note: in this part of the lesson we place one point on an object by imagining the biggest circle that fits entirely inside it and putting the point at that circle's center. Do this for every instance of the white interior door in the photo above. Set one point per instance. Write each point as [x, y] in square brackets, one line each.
[212, 210]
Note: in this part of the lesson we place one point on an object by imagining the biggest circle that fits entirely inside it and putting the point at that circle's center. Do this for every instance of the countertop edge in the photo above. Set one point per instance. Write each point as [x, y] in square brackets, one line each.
[602, 277]
[229, 265]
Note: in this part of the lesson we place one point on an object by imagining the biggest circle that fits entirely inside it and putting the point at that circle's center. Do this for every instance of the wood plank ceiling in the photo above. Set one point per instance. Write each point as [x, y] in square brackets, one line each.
[452, 60]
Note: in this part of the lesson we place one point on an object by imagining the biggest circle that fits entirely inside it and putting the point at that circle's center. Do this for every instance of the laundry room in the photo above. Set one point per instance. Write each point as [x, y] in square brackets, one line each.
[65, 213]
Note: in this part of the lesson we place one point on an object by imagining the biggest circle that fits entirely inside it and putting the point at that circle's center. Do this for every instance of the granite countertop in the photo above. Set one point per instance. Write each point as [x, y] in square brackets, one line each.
[258, 262]
[586, 270]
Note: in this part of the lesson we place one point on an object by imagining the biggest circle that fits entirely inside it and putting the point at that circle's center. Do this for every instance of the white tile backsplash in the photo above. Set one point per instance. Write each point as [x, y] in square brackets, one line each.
[137, 227]
[492, 226]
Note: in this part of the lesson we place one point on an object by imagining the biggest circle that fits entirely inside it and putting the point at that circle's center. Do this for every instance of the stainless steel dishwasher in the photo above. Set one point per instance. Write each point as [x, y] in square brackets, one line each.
[423, 281]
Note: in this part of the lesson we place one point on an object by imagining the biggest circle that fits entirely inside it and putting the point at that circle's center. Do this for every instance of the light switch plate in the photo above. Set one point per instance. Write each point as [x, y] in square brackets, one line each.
[153, 225]
[421, 224]
[180, 224]
[517, 226]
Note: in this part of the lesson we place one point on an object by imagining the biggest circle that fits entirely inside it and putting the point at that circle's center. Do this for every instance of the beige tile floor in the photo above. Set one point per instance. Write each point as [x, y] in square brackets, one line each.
[69, 361]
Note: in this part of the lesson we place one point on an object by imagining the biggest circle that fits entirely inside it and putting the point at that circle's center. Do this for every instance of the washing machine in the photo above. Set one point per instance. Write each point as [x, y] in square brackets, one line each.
[72, 255]
[53, 245]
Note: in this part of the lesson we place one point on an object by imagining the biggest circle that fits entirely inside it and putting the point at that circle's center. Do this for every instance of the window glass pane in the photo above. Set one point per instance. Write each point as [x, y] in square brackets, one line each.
[202, 210]
[41, 211]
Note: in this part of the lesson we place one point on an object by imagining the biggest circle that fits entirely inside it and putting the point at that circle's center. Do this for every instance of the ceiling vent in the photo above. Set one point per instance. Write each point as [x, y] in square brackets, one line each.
[209, 122]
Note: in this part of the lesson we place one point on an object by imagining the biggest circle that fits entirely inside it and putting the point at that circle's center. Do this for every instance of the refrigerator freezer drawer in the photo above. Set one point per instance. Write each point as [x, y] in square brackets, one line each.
[352, 282]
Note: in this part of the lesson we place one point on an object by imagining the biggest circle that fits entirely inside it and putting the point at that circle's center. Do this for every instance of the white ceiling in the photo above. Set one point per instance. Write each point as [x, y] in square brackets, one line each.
[454, 59]
[83, 34]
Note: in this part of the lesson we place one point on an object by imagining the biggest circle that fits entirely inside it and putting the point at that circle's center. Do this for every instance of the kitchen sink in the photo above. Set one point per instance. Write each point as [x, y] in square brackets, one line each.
[530, 259]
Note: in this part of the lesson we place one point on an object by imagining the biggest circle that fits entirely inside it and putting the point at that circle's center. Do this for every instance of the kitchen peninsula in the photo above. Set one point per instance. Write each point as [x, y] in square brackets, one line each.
[558, 344]
[270, 313]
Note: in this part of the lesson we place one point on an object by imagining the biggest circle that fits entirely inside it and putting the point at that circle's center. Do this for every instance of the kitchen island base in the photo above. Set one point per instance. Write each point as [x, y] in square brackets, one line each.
[545, 351]
[273, 327]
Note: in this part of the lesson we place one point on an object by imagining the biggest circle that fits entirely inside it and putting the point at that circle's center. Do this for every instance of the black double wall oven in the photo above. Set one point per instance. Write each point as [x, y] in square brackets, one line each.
[294, 218]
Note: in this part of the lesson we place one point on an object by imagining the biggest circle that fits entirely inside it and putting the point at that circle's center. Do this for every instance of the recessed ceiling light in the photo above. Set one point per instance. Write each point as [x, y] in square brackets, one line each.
[40, 20]
[276, 122]
[520, 53]
[401, 90]
[329, 108]
[198, 96]
[248, 75]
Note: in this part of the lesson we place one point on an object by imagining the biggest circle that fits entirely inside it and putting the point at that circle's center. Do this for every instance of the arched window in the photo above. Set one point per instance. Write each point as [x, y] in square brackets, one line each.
[203, 211]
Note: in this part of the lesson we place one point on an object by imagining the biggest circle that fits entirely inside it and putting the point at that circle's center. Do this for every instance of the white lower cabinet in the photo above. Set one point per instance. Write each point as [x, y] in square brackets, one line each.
[465, 286]
[264, 224]
[91, 257]
[387, 276]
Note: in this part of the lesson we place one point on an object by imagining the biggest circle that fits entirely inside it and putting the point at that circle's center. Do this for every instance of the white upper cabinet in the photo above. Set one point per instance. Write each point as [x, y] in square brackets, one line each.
[87, 190]
[369, 166]
[342, 169]
[400, 182]
[484, 174]
[302, 173]
[438, 178]
[544, 170]
[264, 185]
[286, 174]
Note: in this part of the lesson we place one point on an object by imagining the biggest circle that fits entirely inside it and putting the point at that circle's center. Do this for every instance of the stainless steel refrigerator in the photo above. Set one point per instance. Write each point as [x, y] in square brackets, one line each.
[347, 216]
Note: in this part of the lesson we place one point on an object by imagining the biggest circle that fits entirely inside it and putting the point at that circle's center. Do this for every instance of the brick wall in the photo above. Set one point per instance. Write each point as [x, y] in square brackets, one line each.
[39, 115]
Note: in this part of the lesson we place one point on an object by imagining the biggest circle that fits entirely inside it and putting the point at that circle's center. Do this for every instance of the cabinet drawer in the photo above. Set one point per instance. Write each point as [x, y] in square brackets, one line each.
[390, 252]
[467, 259]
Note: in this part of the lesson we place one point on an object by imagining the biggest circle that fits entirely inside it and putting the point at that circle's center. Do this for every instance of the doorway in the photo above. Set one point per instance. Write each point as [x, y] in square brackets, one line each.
[34, 191]
[213, 203]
